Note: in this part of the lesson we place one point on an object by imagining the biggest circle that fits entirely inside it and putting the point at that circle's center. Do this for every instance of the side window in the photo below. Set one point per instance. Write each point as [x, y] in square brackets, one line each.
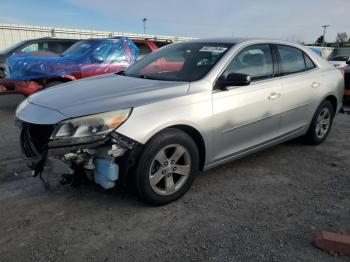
[308, 62]
[292, 59]
[44, 46]
[144, 49]
[56, 47]
[255, 60]
[31, 48]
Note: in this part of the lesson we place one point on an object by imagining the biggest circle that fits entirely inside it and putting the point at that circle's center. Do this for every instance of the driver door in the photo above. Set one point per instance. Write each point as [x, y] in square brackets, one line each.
[248, 116]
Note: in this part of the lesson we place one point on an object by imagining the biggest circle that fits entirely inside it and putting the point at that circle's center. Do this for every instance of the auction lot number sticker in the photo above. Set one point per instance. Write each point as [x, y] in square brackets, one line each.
[213, 49]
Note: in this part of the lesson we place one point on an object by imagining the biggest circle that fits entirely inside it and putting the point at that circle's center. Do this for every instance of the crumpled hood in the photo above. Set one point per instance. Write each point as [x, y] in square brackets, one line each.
[106, 93]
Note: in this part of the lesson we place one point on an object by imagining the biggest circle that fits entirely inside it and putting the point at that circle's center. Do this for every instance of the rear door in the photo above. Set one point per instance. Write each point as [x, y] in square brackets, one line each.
[300, 81]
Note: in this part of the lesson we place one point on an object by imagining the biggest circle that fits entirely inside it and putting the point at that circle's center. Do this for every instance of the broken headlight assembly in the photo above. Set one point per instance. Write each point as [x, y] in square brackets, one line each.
[87, 129]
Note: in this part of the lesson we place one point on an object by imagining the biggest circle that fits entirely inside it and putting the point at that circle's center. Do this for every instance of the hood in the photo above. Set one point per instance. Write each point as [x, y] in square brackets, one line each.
[106, 93]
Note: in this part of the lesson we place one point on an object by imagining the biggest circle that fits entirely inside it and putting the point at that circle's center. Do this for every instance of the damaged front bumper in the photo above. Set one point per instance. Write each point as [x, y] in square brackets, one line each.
[104, 161]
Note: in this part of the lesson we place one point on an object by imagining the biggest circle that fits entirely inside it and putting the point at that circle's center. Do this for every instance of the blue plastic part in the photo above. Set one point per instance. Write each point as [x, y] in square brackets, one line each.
[86, 57]
[316, 50]
[105, 173]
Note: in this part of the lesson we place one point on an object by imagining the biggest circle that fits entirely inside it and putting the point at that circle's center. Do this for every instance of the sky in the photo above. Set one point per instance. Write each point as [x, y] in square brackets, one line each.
[294, 20]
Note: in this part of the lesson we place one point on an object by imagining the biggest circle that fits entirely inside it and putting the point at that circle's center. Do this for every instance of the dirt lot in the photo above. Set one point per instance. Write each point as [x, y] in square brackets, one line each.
[265, 207]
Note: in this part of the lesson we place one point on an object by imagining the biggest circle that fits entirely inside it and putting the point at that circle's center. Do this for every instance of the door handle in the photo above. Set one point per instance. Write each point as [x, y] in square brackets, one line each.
[274, 95]
[315, 84]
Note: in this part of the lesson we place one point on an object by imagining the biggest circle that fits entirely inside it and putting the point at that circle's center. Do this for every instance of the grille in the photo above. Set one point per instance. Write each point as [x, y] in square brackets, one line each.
[34, 139]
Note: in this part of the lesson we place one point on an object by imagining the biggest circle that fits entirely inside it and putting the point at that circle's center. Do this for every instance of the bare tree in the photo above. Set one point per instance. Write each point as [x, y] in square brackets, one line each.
[342, 37]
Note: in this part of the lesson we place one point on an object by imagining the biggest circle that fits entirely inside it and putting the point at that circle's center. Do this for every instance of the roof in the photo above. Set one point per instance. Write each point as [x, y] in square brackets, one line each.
[53, 38]
[224, 40]
[236, 40]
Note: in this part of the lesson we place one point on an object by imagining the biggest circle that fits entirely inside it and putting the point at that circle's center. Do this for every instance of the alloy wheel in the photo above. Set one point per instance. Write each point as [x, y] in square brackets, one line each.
[323, 123]
[170, 168]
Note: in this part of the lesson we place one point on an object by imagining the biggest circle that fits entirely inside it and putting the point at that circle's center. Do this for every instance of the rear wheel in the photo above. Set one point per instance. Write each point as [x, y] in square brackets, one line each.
[321, 124]
[167, 167]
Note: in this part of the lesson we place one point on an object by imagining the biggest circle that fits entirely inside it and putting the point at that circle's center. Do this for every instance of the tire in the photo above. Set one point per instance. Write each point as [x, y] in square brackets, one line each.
[161, 160]
[53, 83]
[317, 134]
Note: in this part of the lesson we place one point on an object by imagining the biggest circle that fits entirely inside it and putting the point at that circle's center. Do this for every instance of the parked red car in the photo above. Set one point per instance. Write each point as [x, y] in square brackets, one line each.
[67, 71]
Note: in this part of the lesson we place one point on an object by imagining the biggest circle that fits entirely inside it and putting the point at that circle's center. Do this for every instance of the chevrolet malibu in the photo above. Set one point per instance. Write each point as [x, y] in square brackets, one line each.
[186, 108]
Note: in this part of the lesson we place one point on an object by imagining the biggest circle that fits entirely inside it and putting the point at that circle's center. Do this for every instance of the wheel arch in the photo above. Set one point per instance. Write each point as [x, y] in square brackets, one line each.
[333, 100]
[197, 138]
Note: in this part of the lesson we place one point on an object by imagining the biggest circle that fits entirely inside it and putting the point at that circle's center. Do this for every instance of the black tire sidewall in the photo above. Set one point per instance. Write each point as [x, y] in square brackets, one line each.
[53, 83]
[167, 137]
[311, 137]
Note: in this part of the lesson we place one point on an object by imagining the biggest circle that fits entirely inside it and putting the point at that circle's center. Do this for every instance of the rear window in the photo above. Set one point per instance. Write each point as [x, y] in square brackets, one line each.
[339, 58]
[294, 60]
[308, 62]
[144, 49]
[59, 46]
[161, 44]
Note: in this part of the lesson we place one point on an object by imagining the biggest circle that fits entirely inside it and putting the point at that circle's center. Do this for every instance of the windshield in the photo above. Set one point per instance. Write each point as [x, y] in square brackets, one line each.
[12, 48]
[339, 58]
[79, 48]
[179, 62]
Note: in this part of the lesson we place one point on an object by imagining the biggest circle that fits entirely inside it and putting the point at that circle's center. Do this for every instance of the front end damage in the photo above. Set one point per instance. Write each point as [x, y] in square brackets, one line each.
[104, 161]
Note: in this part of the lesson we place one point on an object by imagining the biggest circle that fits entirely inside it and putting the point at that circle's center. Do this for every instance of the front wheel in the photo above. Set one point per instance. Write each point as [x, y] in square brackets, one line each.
[167, 167]
[321, 124]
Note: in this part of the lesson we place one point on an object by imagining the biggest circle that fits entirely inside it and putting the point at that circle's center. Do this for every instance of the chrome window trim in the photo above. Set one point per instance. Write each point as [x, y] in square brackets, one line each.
[317, 67]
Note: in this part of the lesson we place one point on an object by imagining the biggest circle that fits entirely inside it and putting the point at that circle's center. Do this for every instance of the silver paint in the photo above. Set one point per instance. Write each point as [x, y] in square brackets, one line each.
[232, 123]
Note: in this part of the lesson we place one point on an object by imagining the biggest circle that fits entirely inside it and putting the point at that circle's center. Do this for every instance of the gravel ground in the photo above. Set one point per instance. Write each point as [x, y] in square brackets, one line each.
[264, 207]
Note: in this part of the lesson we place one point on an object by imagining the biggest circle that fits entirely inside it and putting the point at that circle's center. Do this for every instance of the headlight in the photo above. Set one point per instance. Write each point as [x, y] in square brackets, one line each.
[87, 129]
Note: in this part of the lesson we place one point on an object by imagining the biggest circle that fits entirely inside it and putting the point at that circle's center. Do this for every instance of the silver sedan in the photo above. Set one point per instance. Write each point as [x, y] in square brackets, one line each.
[187, 107]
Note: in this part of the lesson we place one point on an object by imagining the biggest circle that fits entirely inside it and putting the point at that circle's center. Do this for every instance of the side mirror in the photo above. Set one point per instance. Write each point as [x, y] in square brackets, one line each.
[348, 62]
[234, 79]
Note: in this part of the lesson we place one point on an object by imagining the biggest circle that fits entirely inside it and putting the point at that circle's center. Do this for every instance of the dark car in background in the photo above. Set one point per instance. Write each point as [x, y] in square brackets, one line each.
[346, 71]
[45, 44]
[339, 61]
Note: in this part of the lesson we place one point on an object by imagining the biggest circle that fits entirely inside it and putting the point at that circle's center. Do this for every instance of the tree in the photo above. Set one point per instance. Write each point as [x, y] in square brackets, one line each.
[342, 37]
[319, 40]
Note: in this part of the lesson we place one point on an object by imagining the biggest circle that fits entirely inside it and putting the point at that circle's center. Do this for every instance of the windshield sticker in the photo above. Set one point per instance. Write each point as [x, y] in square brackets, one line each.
[213, 49]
